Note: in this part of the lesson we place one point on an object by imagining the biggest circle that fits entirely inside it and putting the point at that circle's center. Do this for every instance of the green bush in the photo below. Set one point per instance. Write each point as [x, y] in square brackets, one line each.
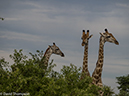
[30, 76]
[123, 82]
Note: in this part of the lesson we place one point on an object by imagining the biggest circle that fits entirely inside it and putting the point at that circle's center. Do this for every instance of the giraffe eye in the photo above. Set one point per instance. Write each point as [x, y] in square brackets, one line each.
[57, 49]
[108, 36]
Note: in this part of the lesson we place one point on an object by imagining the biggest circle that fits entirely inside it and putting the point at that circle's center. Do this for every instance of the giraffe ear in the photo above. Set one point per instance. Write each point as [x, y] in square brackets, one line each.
[102, 34]
[90, 36]
[49, 46]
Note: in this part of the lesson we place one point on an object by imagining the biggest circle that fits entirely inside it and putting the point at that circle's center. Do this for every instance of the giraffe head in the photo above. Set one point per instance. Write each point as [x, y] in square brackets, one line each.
[55, 50]
[108, 37]
[85, 37]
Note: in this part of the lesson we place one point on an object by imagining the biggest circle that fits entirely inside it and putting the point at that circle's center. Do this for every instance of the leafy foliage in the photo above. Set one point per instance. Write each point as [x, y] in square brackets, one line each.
[30, 76]
[123, 81]
[107, 91]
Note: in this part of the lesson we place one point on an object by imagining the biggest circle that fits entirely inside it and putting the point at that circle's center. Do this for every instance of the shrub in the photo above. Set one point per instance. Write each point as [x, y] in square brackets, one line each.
[30, 76]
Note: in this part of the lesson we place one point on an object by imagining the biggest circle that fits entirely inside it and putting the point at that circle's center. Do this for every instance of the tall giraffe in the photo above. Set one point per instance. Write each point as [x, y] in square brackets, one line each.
[51, 50]
[85, 40]
[105, 37]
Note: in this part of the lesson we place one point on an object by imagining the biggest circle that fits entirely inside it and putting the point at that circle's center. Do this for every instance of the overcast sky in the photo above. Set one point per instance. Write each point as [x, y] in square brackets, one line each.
[34, 24]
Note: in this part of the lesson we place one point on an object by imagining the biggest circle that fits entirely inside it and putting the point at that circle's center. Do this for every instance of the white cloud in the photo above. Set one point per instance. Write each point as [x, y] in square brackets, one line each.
[22, 36]
[122, 5]
[120, 66]
[13, 19]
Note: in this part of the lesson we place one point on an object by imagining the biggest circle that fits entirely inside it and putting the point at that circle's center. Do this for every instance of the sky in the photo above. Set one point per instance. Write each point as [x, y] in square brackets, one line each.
[34, 24]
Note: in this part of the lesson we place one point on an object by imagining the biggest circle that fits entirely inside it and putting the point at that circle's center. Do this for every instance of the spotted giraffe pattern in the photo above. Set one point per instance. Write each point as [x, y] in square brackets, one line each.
[98, 70]
[97, 74]
[85, 40]
[51, 50]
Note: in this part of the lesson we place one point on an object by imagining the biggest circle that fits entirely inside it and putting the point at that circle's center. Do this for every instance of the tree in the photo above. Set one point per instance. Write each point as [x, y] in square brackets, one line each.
[107, 91]
[1, 18]
[29, 76]
[123, 82]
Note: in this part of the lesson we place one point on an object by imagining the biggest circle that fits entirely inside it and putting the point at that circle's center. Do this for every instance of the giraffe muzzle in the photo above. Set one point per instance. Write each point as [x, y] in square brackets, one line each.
[62, 55]
[83, 43]
[116, 42]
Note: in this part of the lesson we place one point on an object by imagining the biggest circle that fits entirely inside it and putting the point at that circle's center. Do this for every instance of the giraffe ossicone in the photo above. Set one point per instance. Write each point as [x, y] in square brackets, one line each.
[85, 38]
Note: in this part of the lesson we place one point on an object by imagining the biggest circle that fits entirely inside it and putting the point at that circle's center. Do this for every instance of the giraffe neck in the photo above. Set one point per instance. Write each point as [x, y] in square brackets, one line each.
[98, 70]
[85, 70]
[46, 56]
[101, 53]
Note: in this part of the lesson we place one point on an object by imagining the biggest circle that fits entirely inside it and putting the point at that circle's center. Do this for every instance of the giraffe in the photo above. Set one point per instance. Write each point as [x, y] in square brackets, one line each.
[49, 51]
[85, 40]
[96, 76]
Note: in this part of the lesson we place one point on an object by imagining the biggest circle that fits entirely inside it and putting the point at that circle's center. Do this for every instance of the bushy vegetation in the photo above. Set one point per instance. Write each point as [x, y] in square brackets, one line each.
[123, 82]
[30, 76]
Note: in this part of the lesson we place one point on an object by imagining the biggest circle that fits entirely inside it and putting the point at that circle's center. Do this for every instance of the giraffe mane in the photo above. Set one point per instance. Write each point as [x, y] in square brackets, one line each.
[46, 51]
